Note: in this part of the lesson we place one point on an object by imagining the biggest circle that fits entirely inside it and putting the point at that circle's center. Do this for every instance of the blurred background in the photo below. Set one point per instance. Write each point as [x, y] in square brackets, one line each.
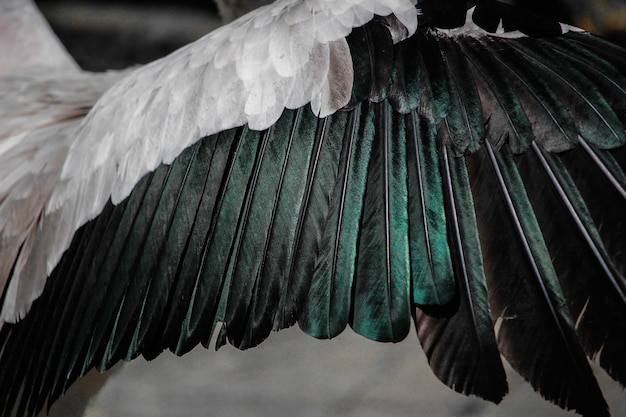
[115, 34]
[290, 374]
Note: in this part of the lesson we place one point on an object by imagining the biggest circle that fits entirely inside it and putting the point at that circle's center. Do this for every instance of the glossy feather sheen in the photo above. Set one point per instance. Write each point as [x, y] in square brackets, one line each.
[431, 264]
[453, 190]
[326, 311]
[318, 183]
[252, 313]
[381, 291]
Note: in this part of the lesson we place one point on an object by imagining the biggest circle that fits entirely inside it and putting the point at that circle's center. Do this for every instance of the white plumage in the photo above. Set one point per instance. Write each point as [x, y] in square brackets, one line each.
[40, 120]
[27, 40]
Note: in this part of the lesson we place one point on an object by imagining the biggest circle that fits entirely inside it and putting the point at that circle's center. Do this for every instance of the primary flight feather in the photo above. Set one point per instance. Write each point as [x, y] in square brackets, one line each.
[332, 163]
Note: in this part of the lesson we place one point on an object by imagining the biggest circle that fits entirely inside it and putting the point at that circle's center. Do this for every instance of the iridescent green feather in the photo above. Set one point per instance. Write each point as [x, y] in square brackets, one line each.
[505, 120]
[328, 305]
[382, 285]
[316, 189]
[213, 280]
[217, 154]
[465, 129]
[292, 152]
[432, 276]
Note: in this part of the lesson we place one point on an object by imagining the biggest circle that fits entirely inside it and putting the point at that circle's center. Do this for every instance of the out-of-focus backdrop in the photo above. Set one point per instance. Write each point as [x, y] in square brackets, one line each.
[290, 374]
[115, 34]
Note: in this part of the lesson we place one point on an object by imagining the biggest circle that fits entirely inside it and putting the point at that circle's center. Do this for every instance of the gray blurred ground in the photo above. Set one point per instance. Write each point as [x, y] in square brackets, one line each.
[290, 374]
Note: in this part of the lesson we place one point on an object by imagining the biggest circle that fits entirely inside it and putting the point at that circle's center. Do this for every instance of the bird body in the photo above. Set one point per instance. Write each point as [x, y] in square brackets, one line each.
[363, 163]
[27, 40]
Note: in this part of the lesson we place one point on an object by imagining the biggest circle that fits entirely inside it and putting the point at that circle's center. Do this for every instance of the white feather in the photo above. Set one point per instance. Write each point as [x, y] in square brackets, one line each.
[39, 122]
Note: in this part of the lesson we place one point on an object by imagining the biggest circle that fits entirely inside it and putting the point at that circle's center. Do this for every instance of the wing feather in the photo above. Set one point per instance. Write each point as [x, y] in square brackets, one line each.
[433, 280]
[597, 288]
[291, 147]
[582, 102]
[382, 283]
[327, 309]
[458, 338]
[544, 351]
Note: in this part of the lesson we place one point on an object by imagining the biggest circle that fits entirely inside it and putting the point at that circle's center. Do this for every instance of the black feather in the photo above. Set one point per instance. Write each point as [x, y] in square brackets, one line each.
[535, 331]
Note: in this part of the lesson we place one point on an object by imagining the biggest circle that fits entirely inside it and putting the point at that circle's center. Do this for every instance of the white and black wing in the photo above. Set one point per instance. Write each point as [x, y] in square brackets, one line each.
[473, 183]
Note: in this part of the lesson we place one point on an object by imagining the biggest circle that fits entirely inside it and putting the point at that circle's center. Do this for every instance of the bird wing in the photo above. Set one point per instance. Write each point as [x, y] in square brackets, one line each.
[284, 55]
[473, 183]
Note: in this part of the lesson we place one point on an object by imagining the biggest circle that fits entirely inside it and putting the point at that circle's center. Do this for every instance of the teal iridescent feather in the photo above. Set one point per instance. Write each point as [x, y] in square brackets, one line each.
[216, 154]
[372, 49]
[253, 226]
[291, 148]
[506, 122]
[316, 208]
[126, 250]
[327, 309]
[464, 120]
[184, 221]
[310, 218]
[434, 90]
[405, 84]
[205, 298]
[432, 276]
[382, 284]
[164, 232]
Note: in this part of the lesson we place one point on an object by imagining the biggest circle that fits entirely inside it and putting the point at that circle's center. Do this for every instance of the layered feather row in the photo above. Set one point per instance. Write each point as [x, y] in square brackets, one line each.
[475, 191]
[286, 55]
